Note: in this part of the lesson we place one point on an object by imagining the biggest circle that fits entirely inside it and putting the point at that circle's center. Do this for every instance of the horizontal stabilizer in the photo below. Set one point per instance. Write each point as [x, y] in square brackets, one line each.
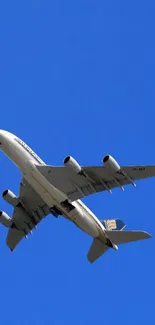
[122, 237]
[96, 250]
[113, 224]
[115, 237]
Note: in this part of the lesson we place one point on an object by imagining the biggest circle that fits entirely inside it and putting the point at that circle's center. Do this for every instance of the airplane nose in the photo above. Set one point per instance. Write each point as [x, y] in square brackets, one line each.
[3, 136]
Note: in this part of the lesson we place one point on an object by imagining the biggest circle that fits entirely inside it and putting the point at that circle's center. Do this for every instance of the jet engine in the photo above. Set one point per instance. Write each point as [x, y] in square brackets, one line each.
[71, 163]
[111, 163]
[5, 219]
[10, 198]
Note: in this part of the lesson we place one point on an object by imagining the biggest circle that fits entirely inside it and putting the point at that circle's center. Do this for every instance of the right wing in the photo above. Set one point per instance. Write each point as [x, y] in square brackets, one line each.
[25, 221]
[77, 186]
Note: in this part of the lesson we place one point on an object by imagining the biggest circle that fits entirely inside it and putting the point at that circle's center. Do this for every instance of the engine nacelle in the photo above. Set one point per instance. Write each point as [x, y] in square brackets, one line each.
[5, 219]
[71, 163]
[10, 198]
[111, 163]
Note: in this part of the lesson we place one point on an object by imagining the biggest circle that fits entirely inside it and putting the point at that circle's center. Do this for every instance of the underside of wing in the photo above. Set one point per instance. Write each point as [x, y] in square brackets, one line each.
[93, 179]
[26, 215]
[14, 237]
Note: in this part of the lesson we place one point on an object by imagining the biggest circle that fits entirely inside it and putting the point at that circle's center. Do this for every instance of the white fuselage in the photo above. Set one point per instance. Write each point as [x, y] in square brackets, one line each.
[26, 160]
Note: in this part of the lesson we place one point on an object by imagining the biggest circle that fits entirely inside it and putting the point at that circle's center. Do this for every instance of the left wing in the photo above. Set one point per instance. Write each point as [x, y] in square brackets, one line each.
[25, 220]
[97, 178]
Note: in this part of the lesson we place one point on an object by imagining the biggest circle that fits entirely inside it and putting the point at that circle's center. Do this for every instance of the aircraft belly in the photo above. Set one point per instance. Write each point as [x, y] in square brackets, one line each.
[88, 227]
[84, 221]
[44, 194]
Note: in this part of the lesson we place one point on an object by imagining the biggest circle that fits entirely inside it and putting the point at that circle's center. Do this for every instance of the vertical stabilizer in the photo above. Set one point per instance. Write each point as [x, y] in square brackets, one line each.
[113, 224]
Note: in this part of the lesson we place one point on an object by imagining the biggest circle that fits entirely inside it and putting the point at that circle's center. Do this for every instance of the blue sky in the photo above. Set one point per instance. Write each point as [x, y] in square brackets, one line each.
[77, 77]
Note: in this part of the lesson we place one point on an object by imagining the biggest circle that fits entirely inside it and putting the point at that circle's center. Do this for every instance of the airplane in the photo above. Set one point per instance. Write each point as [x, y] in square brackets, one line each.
[58, 190]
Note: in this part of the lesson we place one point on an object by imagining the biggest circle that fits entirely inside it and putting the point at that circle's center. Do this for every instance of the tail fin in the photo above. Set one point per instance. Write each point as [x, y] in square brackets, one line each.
[122, 237]
[113, 224]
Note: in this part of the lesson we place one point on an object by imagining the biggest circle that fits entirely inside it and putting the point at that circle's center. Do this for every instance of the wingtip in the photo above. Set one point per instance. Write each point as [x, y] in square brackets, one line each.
[147, 235]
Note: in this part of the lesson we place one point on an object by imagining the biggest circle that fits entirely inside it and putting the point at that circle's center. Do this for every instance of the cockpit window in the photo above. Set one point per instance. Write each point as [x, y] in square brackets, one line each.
[29, 150]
